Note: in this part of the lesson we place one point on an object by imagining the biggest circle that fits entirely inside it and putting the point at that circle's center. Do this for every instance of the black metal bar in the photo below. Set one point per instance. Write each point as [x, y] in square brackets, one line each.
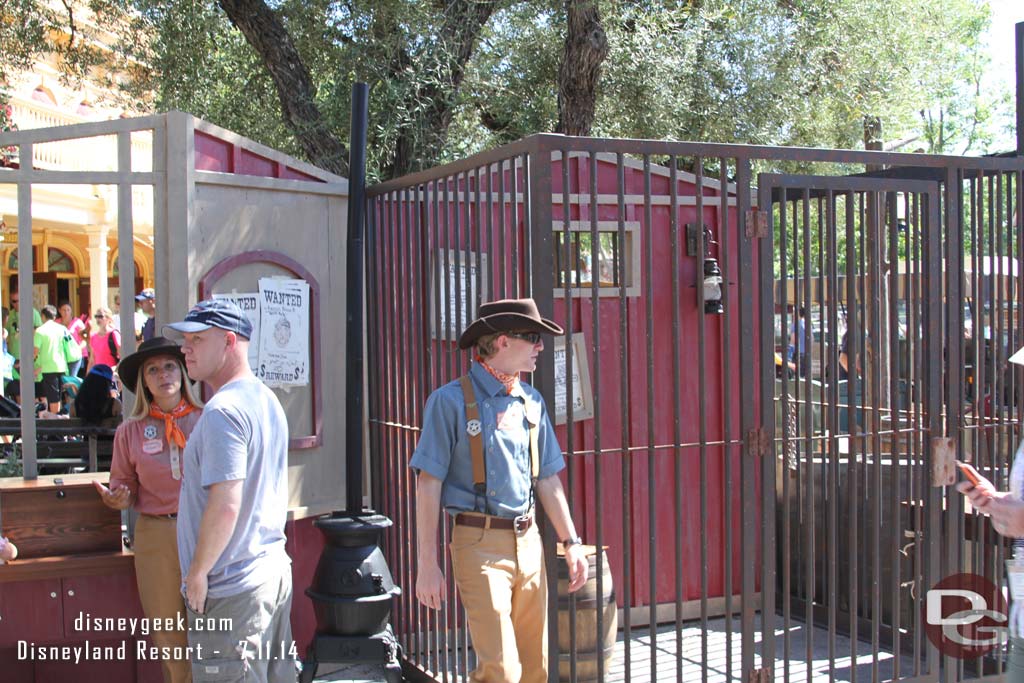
[896, 426]
[762, 456]
[852, 383]
[595, 314]
[783, 398]
[702, 435]
[569, 284]
[354, 310]
[933, 389]
[834, 293]
[502, 291]
[729, 268]
[748, 420]
[624, 388]
[681, 531]
[805, 337]
[662, 148]
[1019, 70]
[652, 480]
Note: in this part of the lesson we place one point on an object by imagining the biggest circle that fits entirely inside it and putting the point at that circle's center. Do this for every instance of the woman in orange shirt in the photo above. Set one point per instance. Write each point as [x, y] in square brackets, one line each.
[145, 474]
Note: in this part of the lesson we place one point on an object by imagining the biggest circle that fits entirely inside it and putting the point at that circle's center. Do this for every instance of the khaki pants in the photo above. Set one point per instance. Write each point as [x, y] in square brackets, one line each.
[258, 647]
[159, 579]
[500, 575]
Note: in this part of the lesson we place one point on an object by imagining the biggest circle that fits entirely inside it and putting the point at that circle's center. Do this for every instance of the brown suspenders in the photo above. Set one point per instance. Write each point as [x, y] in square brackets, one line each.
[476, 444]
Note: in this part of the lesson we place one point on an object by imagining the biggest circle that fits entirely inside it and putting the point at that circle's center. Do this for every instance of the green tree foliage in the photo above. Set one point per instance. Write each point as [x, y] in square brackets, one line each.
[799, 72]
[787, 72]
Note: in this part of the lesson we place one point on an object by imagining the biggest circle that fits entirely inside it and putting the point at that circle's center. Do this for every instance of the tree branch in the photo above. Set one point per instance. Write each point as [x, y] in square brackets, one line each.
[421, 140]
[266, 34]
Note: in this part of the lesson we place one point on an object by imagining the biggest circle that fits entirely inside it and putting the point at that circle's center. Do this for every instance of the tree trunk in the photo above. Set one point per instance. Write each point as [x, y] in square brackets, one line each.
[266, 34]
[586, 48]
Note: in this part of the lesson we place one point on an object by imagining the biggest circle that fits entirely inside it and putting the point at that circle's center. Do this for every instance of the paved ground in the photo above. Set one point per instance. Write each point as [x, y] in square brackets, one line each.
[664, 665]
[668, 667]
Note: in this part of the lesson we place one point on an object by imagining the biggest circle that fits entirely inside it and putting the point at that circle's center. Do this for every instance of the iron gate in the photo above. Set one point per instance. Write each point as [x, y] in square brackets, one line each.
[721, 527]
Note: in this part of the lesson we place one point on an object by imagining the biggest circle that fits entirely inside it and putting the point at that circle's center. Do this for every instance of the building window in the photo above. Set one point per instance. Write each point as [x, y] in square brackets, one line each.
[12, 260]
[59, 262]
[614, 261]
[115, 269]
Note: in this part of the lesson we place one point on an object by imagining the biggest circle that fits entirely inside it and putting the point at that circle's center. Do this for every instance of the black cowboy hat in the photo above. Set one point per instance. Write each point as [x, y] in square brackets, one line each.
[128, 368]
[507, 315]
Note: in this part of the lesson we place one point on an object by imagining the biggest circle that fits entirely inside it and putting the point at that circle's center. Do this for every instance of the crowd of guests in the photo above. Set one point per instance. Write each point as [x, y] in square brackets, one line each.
[76, 356]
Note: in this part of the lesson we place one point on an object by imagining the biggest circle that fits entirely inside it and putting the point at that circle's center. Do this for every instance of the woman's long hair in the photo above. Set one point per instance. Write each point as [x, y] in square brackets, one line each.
[144, 399]
[93, 403]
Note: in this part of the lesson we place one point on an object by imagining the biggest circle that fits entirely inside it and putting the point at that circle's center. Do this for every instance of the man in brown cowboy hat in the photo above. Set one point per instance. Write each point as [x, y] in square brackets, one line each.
[487, 447]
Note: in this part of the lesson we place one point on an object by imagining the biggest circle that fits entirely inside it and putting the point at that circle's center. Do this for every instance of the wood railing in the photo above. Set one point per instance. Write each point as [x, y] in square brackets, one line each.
[86, 154]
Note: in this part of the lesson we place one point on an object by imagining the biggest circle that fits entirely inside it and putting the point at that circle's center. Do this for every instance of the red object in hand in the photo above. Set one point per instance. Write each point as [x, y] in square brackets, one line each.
[968, 472]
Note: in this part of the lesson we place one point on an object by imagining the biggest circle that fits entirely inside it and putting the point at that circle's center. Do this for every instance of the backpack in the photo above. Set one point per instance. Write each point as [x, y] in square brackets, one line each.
[113, 347]
[72, 351]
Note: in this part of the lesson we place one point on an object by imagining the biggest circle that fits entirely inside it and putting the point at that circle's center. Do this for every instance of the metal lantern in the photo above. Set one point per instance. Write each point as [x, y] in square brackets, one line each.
[712, 287]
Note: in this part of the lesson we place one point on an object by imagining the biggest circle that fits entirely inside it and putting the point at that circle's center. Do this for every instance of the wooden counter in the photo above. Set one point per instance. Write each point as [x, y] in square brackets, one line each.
[61, 528]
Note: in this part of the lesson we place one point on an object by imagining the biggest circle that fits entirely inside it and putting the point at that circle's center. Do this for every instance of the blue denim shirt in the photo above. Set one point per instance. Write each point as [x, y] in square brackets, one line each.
[443, 448]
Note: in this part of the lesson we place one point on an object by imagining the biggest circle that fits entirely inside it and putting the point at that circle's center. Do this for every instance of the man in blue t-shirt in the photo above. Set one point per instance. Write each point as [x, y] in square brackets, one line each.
[233, 507]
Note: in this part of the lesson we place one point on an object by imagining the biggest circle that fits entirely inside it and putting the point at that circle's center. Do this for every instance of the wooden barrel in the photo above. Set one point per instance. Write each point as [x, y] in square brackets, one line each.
[590, 644]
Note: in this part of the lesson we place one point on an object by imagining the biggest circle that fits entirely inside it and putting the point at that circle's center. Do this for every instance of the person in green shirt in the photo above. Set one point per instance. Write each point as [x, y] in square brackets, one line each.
[51, 361]
[13, 338]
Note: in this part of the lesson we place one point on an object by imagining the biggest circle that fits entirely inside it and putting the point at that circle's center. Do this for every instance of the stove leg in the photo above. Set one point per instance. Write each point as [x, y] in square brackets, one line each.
[393, 672]
[392, 667]
[309, 667]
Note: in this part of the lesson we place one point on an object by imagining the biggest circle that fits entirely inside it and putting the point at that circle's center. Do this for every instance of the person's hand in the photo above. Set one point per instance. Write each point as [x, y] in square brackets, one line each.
[576, 561]
[118, 499]
[8, 551]
[980, 494]
[430, 585]
[1007, 514]
[195, 592]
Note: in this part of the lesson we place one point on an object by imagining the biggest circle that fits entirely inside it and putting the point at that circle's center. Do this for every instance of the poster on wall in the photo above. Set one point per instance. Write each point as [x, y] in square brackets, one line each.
[249, 302]
[454, 279]
[582, 394]
[284, 332]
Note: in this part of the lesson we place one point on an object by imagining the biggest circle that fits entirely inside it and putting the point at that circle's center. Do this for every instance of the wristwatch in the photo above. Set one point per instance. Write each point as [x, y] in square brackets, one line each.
[571, 541]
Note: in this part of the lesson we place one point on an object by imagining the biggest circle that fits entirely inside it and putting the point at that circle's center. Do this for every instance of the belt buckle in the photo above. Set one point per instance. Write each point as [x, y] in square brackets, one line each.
[521, 523]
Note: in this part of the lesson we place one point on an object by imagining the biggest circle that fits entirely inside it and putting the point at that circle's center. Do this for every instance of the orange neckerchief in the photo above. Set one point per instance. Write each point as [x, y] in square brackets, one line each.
[508, 381]
[171, 428]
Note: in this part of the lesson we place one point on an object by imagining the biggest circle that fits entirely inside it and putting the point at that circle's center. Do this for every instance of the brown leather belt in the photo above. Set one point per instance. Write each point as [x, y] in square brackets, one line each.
[519, 524]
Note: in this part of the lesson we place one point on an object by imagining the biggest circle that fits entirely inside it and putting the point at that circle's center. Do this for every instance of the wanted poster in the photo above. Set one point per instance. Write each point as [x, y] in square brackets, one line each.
[284, 332]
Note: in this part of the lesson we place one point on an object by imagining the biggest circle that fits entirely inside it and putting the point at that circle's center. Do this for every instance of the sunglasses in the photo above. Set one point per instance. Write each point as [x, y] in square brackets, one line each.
[99, 316]
[532, 337]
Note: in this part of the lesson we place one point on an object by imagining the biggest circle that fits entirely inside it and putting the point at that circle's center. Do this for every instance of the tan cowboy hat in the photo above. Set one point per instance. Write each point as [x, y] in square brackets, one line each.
[128, 368]
[507, 315]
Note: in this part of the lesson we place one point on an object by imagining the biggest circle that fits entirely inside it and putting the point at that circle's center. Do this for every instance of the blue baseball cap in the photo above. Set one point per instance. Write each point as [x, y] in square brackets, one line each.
[104, 371]
[222, 313]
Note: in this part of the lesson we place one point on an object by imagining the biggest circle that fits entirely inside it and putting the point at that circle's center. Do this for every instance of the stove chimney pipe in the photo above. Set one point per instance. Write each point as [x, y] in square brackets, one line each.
[354, 328]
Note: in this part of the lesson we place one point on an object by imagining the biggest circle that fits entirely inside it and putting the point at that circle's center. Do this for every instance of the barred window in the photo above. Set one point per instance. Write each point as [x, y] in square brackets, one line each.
[613, 262]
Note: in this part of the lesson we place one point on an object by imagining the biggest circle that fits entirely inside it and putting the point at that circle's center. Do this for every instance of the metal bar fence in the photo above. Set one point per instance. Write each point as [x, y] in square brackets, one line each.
[724, 477]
